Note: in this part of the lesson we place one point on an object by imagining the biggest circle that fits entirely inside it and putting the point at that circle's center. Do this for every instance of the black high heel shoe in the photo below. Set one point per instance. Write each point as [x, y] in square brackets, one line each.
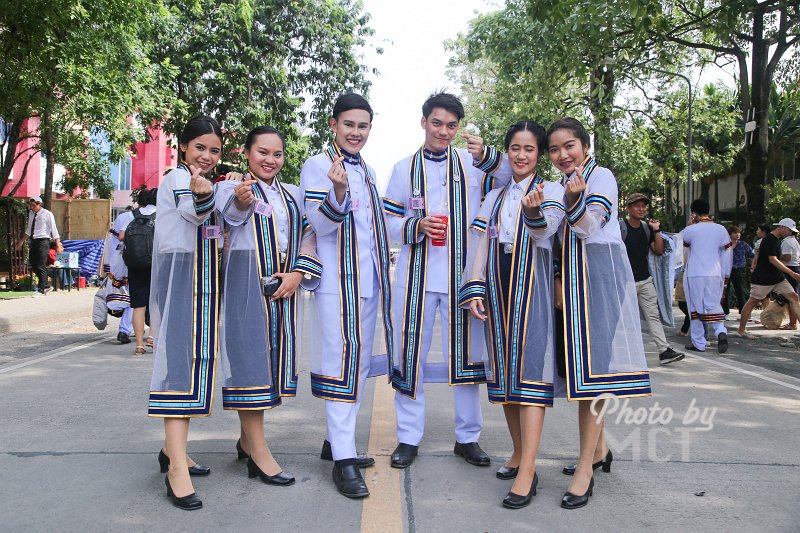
[605, 463]
[571, 501]
[240, 453]
[187, 503]
[196, 470]
[515, 501]
[281, 478]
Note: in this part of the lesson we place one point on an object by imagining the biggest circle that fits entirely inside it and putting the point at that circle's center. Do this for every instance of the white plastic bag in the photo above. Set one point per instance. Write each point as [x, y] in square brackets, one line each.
[100, 309]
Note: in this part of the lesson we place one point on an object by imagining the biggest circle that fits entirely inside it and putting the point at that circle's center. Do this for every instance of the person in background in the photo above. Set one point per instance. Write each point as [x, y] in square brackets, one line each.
[64, 276]
[761, 232]
[40, 230]
[790, 255]
[117, 271]
[741, 253]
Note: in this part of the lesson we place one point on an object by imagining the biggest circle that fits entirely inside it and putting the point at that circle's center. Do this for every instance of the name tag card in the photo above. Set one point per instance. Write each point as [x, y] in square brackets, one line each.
[492, 232]
[212, 232]
[416, 202]
[263, 208]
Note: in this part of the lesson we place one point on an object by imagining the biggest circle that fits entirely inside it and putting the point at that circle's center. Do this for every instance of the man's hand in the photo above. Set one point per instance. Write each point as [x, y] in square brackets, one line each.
[654, 224]
[432, 227]
[338, 176]
[288, 286]
[474, 144]
[477, 310]
[198, 184]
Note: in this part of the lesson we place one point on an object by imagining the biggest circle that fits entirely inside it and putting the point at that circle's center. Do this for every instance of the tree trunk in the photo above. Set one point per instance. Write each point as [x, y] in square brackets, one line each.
[757, 151]
[49, 171]
[11, 152]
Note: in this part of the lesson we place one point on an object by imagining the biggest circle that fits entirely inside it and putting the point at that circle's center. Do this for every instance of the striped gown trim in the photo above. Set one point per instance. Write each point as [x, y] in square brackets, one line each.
[582, 383]
[198, 399]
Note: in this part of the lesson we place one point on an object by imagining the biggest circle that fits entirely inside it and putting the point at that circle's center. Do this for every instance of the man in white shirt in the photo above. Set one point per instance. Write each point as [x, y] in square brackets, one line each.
[790, 256]
[41, 228]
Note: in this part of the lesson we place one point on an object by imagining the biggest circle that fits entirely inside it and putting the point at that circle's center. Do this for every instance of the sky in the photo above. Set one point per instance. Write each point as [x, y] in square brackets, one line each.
[413, 65]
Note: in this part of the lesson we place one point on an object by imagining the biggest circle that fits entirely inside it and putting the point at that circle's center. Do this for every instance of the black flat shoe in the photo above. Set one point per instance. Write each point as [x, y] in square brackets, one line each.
[692, 348]
[722, 343]
[240, 453]
[507, 472]
[196, 470]
[515, 501]
[472, 453]
[349, 482]
[404, 455]
[281, 479]
[362, 461]
[605, 463]
[571, 501]
[123, 338]
[191, 502]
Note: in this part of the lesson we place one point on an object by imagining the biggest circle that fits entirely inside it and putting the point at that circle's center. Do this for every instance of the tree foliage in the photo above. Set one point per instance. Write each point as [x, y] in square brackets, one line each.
[249, 63]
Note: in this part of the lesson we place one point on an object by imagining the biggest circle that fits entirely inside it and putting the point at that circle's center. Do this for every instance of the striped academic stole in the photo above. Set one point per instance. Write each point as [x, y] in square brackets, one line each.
[281, 315]
[460, 370]
[509, 330]
[344, 388]
[582, 382]
[205, 307]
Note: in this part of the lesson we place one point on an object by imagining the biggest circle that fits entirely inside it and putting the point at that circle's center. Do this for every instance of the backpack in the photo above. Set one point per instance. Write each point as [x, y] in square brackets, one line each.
[623, 229]
[138, 252]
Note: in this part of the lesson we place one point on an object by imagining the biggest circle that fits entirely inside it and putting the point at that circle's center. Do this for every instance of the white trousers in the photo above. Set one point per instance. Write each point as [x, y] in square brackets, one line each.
[466, 398]
[704, 296]
[341, 416]
[126, 321]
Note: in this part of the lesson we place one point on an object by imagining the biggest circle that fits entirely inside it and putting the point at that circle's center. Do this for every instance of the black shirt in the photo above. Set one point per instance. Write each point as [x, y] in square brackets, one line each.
[637, 244]
[765, 272]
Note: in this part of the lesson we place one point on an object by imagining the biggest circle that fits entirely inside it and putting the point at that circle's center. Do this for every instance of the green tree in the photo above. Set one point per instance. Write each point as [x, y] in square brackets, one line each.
[254, 62]
[78, 64]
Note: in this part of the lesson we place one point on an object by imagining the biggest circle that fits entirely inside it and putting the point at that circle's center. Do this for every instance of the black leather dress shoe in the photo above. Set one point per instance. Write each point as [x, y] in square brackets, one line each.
[349, 482]
[605, 463]
[123, 338]
[187, 503]
[571, 501]
[404, 455]
[507, 472]
[281, 478]
[722, 343]
[472, 453]
[361, 460]
[692, 348]
[195, 470]
[515, 501]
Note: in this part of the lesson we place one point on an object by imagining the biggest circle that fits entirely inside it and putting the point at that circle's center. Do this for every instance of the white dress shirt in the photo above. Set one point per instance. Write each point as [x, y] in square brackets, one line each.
[510, 210]
[45, 225]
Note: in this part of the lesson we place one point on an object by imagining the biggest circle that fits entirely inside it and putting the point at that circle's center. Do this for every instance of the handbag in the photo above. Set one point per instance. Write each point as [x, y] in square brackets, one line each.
[100, 308]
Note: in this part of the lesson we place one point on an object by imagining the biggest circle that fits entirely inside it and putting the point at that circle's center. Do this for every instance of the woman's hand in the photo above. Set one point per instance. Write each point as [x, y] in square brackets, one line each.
[244, 194]
[533, 200]
[289, 283]
[477, 310]
[198, 184]
[575, 187]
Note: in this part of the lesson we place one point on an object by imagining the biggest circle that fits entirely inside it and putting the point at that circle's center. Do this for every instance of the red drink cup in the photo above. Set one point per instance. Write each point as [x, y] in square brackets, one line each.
[443, 220]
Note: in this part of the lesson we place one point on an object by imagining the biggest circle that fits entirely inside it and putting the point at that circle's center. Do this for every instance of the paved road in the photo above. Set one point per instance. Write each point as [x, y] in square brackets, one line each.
[78, 453]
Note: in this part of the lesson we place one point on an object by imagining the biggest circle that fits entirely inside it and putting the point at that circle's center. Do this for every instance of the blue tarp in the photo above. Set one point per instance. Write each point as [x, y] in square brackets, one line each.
[90, 253]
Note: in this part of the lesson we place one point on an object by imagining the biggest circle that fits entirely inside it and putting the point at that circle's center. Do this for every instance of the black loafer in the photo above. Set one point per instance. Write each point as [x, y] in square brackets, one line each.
[195, 470]
[472, 453]
[123, 338]
[515, 501]
[349, 482]
[191, 502]
[507, 472]
[571, 501]
[281, 478]
[362, 461]
[693, 348]
[404, 455]
[722, 343]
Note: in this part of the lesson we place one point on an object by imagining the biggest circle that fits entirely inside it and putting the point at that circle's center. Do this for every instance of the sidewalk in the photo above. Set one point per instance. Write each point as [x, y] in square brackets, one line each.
[17, 314]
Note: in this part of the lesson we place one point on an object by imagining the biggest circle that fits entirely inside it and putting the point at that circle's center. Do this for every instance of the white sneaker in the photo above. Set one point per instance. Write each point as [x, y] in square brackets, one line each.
[37, 294]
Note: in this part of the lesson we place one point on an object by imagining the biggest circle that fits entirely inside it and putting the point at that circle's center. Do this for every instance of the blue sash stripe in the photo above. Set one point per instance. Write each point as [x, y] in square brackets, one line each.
[490, 160]
[256, 398]
[576, 212]
[479, 224]
[390, 207]
[708, 317]
[472, 290]
[203, 206]
[307, 264]
[118, 298]
[114, 232]
[487, 184]
[551, 204]
[316, 195]
[331, 212]
[116, 282]
[411, 230]
[534, 223]
[180, 192]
